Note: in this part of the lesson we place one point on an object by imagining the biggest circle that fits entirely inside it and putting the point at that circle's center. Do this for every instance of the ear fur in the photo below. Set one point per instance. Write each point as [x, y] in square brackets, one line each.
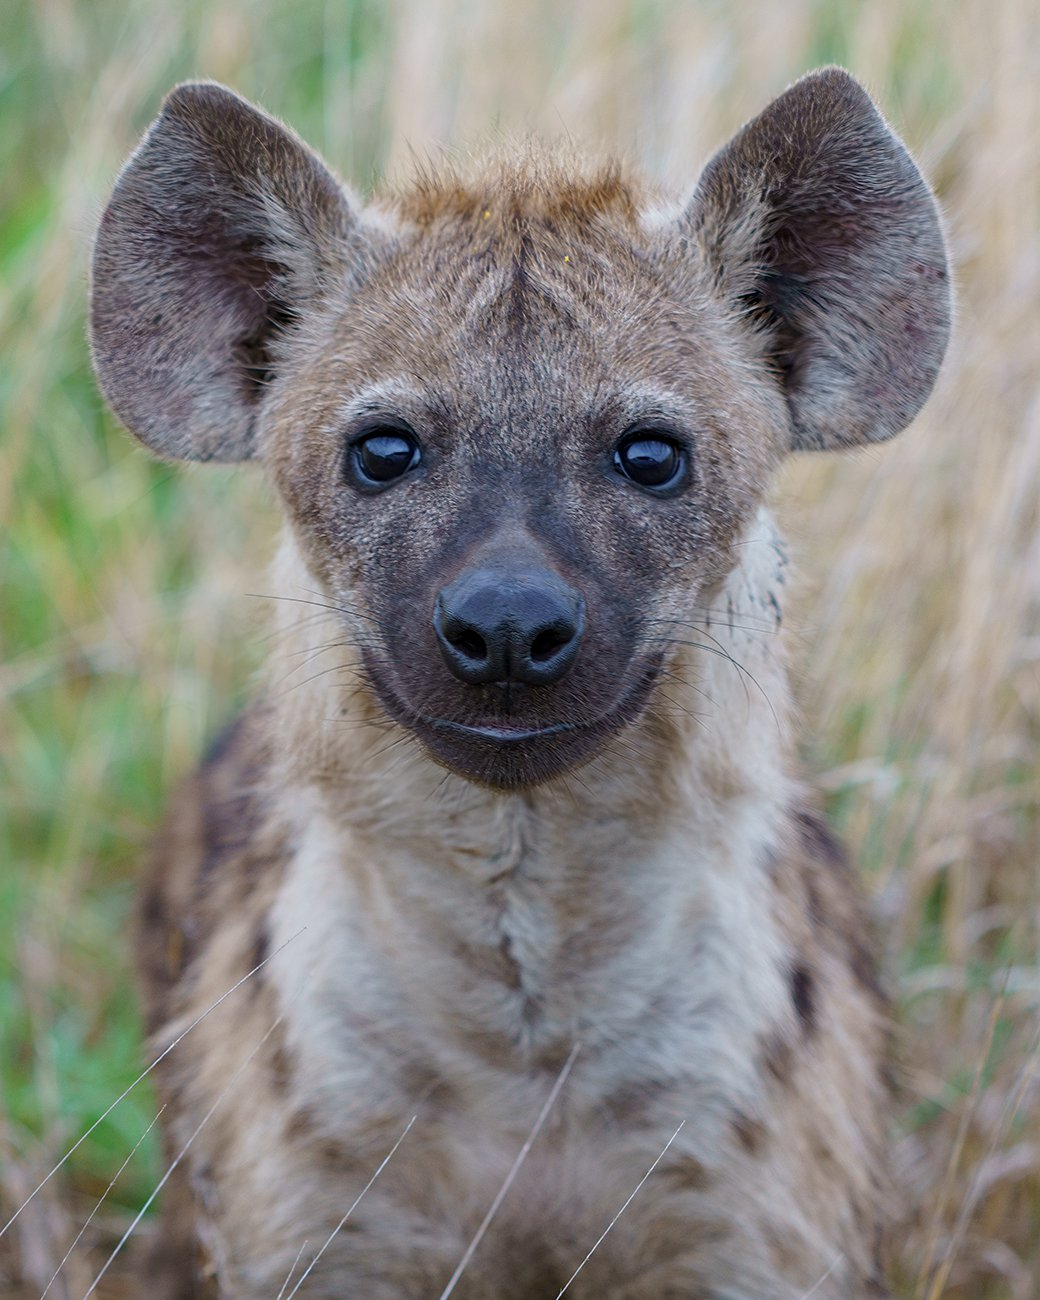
[816, 223]
[222, 228]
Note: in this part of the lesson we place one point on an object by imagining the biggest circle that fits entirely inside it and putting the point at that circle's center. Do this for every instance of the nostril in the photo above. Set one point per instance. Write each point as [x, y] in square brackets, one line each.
[549, 642]
[469, 642]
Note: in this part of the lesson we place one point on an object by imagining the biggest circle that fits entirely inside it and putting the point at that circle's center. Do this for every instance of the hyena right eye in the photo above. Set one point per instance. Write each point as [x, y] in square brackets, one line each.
[382, 455]
[651, 459]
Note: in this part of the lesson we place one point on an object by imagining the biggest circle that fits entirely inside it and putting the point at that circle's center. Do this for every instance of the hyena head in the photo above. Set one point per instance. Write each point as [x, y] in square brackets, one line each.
[518, 421]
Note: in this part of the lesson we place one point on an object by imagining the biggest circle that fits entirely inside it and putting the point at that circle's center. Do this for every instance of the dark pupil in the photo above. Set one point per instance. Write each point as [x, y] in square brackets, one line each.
[385, 456]
[649, 461]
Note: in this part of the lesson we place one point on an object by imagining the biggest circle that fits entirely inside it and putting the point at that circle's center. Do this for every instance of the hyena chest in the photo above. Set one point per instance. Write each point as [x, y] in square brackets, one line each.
[518, 1096]
[522, 1202]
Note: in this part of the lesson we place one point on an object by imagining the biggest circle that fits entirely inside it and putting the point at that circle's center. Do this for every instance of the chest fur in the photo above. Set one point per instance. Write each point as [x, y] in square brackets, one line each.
[659, 966]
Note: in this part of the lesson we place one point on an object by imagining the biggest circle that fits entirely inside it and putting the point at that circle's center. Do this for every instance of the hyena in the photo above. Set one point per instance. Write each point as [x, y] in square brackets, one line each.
[530, 826]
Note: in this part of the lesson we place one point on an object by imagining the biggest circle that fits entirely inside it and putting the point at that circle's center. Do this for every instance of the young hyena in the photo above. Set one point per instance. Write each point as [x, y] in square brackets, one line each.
[533, 814]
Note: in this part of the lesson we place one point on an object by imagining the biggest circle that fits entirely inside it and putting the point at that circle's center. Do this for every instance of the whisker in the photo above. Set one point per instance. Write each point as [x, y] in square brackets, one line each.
[722, 616]
[313, 650]
[284, 684]
[101, 1200]
[682, 708]
[514, 1169]
[306, 681]
[309, 620]
[686, 685]
[438, 787]
[402, 739]
[620, 1212]
[357, 1201]
[724, 654]
[355, 724]
[345, 610]
[143, 1075]
[574, 775]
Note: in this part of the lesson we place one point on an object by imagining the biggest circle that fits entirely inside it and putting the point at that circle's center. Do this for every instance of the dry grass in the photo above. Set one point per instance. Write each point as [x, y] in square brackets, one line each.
[126, 637]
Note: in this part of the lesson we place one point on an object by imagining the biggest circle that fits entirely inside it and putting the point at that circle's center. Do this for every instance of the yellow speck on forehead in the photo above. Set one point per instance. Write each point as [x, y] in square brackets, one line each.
[566, 257]
[487, 214]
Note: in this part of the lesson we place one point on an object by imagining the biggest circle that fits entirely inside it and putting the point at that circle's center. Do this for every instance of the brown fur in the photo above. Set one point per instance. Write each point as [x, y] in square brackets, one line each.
[433, 919]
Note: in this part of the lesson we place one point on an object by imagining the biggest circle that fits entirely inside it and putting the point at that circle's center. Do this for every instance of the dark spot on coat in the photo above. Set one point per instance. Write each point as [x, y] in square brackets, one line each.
[837, 919]
[229, 812]
[224, 743]
[688, 1174]
[301, 1125]
[261, 951]
[803, 996]
[821, 844]
[630, 1103]
[335, 1155]
[420, 1082]
[821, 1153]
[751, 1133]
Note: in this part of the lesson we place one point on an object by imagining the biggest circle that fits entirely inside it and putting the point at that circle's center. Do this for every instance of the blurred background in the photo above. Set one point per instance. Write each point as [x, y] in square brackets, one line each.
[128, 634]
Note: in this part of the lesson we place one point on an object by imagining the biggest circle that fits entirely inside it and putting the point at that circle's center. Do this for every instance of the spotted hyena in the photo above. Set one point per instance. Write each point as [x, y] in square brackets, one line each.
[530, 828]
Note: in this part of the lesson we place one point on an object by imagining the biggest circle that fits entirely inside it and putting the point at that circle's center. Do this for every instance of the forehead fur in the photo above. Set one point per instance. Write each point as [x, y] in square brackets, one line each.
[523, 237]
[516, 186]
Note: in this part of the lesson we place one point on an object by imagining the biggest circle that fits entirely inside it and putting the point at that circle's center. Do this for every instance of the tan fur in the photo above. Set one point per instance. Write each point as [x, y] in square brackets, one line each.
[434, 931]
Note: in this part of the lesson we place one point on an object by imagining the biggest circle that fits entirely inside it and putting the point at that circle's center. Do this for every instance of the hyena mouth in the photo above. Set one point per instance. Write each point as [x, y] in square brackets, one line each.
[508, 756]
[501, 735]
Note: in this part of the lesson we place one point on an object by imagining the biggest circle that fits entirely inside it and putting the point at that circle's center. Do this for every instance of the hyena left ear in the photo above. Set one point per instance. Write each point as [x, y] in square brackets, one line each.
[817, 226]
[223, 230]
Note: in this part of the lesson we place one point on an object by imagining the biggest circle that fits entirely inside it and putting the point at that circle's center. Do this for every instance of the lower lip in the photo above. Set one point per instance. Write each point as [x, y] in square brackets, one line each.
[500, 735]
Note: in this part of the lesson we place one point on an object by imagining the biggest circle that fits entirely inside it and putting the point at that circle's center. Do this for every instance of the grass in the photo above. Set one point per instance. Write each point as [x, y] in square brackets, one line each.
[126, 637]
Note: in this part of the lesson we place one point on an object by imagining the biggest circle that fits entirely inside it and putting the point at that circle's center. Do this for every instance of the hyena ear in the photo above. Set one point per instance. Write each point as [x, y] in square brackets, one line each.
[223, 228]
[816, 224]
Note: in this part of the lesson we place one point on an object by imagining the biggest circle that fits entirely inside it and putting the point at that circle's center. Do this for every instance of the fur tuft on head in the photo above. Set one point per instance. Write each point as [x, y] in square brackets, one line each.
[519, 182]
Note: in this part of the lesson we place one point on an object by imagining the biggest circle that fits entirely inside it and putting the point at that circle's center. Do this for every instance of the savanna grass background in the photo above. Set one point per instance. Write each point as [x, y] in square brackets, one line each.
[128, 633]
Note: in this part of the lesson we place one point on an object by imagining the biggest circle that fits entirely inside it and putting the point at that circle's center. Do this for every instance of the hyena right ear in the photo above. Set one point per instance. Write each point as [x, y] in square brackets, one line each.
[817, 227]
[223, 228]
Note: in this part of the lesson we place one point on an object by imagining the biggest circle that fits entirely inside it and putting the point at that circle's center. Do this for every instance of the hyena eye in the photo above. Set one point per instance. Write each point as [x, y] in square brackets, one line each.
[382, 454]
[650, 459]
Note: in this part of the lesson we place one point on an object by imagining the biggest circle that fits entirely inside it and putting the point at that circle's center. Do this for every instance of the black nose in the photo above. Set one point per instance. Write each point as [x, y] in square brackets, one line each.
[499, 624]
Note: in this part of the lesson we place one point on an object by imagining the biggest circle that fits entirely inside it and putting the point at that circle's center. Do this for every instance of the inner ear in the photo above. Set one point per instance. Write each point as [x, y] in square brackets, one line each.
[270, 284]
[819, 230]
[222, 232]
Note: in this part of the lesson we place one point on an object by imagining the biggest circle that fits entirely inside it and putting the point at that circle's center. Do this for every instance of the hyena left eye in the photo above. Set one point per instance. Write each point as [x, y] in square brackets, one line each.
[382, 455]
[650, 459]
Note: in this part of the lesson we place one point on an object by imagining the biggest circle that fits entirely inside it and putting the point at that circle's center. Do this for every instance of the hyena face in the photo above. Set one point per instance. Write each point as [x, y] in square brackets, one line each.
[518, 422]
[513, 455]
